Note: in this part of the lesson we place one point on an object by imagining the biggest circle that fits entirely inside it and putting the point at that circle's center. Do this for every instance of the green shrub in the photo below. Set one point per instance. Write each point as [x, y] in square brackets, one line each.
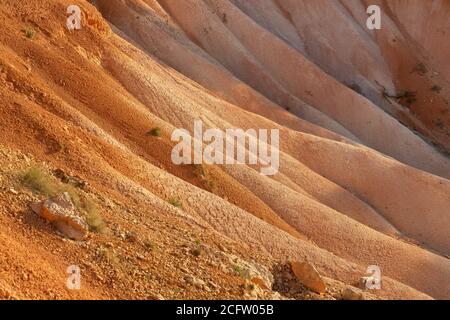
[420, 69]
[29, 33]
[355, 87]
[40, 182]
[201, 172]
[436, 88]
[196, 252]
[150, 245]
[238, 270]
[93, 217]
[109, 256]
[155, 132]
[175, 202]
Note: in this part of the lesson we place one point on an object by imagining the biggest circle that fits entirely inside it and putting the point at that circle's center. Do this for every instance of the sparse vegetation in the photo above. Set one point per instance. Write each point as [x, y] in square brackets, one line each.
[407, 94]
[420, 69]
[61, 147]
[197, 251]
[40, 181]
[149, 244]
[175, 202]
[224, 18]
[407, 98]
[155, 132]
[250, 286]
[404, 94]
[201, 172]
[436, 88]
[75, 196]
[29, 33]
[355, 87]
[410, 101]
[109, 255]
[440, 124]
[93, 218]
[238, 270]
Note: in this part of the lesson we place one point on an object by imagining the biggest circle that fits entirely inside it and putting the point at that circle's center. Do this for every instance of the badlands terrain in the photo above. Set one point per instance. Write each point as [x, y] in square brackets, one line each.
[364, 124]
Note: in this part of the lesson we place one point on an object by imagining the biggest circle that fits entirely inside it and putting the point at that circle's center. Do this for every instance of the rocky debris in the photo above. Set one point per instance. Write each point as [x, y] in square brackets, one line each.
[7, 294]
[307, 274]
[259, 282]
[288, 286]
[140, 257]
[251, 271]
[194, 281]
[132, 236]
[351, 293]
[61, 212]
[155, 296]
[70, 179]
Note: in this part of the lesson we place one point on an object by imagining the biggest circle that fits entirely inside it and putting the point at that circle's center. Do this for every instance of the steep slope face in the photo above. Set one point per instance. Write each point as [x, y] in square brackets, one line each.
[277, 78]
[354, 187]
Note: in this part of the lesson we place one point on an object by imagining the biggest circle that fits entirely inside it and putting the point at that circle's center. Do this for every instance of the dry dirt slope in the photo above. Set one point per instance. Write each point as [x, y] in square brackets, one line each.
[356, 187]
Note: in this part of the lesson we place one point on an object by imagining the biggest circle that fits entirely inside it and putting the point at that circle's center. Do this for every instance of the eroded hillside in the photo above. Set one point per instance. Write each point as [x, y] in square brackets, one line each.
[364, 124]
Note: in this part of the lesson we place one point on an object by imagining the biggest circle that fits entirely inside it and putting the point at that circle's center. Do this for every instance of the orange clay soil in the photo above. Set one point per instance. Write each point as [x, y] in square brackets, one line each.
[364, 130]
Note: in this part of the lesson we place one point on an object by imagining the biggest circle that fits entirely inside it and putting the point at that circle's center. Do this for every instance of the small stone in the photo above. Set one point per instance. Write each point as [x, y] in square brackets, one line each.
[212, 285]
[132, 236]
[73, 180]
[259, 282]
[140, 257]
[352, 294]
[194, 281]
[155, 296]
[13, 191]
[309, 276]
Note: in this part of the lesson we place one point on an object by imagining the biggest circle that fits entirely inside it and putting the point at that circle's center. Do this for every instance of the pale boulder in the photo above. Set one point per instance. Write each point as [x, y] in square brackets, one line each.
[307, 274]
[61, 212]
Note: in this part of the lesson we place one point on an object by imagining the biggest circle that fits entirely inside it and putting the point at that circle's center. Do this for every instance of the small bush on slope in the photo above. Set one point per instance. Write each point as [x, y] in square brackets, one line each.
[175, 202]
[39, 181]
